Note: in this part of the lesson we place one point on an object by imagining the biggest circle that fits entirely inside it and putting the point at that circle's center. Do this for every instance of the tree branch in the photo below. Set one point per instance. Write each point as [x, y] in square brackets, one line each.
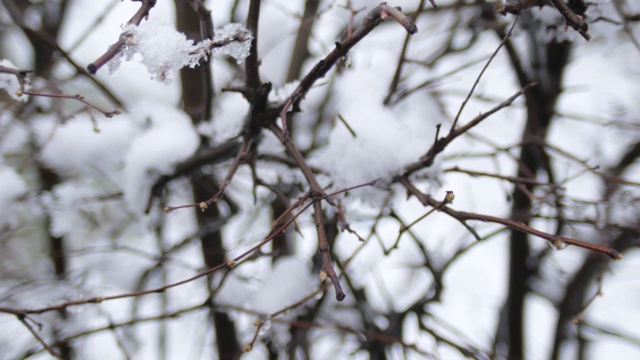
[373, 19]
[115, 49]
[557, 241]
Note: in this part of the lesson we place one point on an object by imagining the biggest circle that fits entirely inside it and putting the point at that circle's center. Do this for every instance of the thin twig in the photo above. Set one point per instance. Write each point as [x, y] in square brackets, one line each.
[78, 97]
[557, 241]
[440, 144]
[486, 66]
[373, 19]
[49, 349]
[229, 264]
[115, 49]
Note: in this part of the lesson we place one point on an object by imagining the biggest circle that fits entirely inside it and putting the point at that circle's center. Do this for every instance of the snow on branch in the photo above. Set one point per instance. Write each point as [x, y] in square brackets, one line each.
[377, 15]
[165, 50]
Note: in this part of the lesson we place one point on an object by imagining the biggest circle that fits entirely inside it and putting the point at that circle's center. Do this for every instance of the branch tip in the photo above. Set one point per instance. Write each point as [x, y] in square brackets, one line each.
[615, 255]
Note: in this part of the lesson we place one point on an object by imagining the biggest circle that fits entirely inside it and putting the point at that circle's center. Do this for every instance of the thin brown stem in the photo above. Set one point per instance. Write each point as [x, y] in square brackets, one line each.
[115, 49]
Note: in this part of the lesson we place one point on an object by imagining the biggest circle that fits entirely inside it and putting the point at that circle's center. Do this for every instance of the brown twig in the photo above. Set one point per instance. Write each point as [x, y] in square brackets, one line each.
[138, 320]
[373, 19]
[316, 192]
[397, 15]
[344, 224]
[440, 144]
[78, 97]
[235, 164]
[259, 323]
[516, 7]
[513, 179]
[229, 264]
[327, 269]
[204, 157]
[557, 241]
[576, 21]
[396, 76]
[385, 338]
[296, 155]
[23, 320]
[486, 66]
[115, 49]
[21, 75]
[444, 202]
[51, 41]
[252, 62]
[259, 116]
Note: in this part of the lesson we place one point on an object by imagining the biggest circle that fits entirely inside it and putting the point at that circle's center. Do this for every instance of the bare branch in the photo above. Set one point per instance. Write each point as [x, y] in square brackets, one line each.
[373, 19]
[441, 144]
[557, 241]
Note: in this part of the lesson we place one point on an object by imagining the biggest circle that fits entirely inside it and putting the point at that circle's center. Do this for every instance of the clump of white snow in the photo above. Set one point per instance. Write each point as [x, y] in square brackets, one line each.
[228, 118]
[168, 138]
[13, 186]
[75, 148]
[281, 94]
[164, 50]
[386, 138]
[238, 50]
[290, 280]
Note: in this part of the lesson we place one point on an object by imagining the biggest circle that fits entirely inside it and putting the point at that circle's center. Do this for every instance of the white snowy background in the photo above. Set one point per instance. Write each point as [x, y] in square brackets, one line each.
[112, 241]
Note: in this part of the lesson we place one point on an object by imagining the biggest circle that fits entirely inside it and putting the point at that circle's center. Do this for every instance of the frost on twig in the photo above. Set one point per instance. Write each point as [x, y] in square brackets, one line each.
[165, 50]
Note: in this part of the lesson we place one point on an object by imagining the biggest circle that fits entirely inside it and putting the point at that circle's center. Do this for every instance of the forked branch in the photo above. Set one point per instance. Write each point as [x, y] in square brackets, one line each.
[374, 18]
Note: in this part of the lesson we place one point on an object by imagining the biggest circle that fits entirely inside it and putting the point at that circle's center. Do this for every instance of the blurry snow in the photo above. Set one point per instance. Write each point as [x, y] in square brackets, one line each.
[9, 82]
[75, 148]
[273, 289]
[13, 135]
[75, 213]
[282, 93]
[134, 150]
[392, 282]
[625, 206]
[386, 138]
[167, 137]
[165, 50]
[13, 186]
[235, 290]
[290, 280]
[229, 115]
